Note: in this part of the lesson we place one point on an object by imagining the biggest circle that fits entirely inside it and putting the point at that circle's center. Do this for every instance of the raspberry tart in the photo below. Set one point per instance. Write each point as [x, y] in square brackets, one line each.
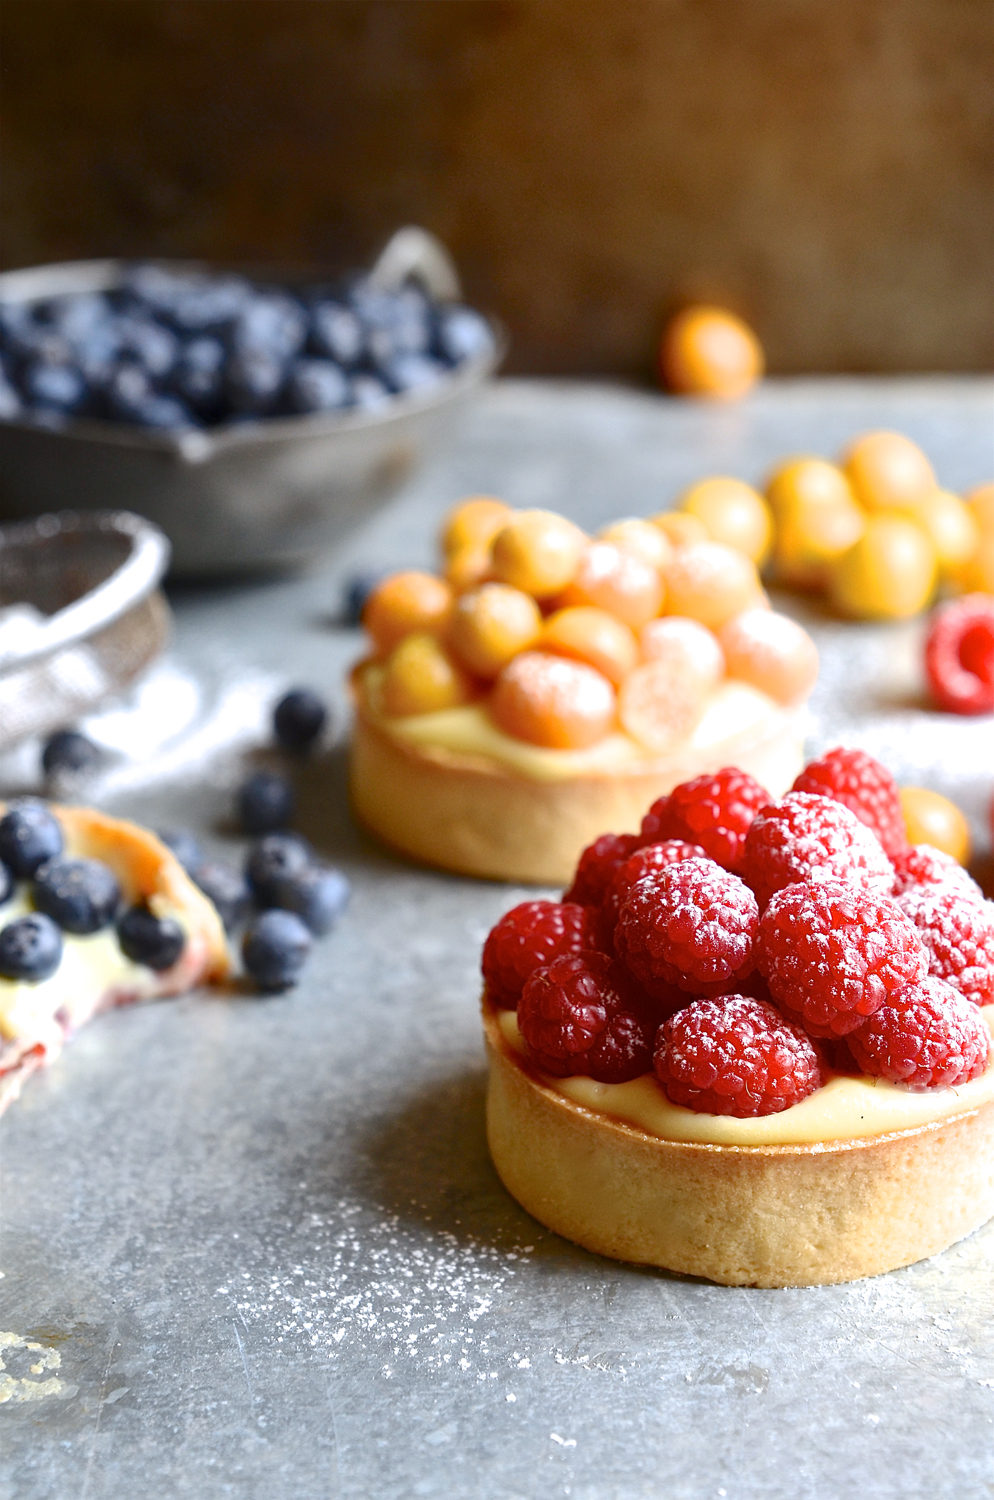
[764, 1059]
[94, 912]
[550, 685]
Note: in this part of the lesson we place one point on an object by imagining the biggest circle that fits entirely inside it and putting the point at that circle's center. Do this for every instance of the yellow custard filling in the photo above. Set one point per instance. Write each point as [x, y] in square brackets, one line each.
[845, 1108]
[735, 709]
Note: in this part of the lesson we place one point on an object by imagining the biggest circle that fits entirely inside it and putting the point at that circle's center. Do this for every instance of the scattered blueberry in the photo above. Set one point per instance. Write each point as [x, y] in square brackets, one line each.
[147, 939]
[277, 858]
[227, 888]
[185, 846]
[318, 895]
[265, 803]
[29, 834]
[299, 718]
[355, 593]
[6, 883]
[274, 949]
[30, 948]
[69, 753]
[81, 895]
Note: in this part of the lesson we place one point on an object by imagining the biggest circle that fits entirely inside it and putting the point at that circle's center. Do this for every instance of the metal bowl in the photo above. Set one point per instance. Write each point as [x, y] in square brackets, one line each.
[249, 497]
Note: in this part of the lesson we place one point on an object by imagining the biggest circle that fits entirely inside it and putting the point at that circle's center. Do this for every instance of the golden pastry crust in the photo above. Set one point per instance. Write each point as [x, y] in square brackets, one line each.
[740, 1215]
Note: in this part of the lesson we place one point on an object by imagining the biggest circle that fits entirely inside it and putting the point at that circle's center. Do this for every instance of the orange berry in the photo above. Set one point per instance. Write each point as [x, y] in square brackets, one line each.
[421, 678]
[491, 624]
[711, 583]
[952, 527]
[645, 540]
[547, 700]
[404, 603]
[977, 576]
[889, 574]
[888, 471]
[981, 503]
[612, 578]
[932, 819]
[661, 703]
[733, 513]
[468, 567]
[538, 552]
[817, 519]
[772, 652]
[674, 638]
[474, 523]
[708, 351]
[593, 636]
[679, 528]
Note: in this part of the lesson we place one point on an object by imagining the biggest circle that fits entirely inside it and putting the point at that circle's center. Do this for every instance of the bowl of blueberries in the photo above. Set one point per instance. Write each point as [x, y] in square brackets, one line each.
[255, 423]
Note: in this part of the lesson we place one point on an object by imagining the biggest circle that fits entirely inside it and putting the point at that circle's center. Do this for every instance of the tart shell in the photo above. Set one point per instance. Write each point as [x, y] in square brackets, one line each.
[765, 1216]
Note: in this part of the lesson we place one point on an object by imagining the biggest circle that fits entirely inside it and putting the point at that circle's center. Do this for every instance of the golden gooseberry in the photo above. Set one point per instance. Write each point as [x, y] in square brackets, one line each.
[732, 513]
[932, 819]
[952, 526]
[548, 700]
[889, 574]
[981, 503]
[491, 624]
[467, 568]
[612, 578]
[645, 540]
[711, 583]
[679, 528]
[537, 552]
[661, 703]
[688, 643]
[888, 471]
[772, 653]
[977, 575]
[474, 523]
[708, 351]
[593, 636]
[404, 603]
[816, 519]
[421, 678]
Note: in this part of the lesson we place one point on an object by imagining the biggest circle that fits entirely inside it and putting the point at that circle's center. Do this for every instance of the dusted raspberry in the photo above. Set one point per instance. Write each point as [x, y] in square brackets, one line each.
[929, 1037]
[735, 1056]
[597, 865]
[691, 924]
[655, 824]
[832, 954]
[807, 837]
[922, 865]
[715, 811]
[959, 655]
[957, 929]
[864, 786]
[574, 1019]
[650, 857]
[526, 937]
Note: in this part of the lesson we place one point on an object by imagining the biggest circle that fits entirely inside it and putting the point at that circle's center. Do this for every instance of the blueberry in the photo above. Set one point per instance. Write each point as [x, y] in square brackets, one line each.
[355, 592]
[69, 753]
[316, 385]
[185, 847]
[299, 718]
[395, 322]
[29, 834]
[275, 859]
[10, 401]
[227, 888]
[461, 333]
[127, 392]
[198, 377]
[336, 333]
[270, 322]
[265, 802]
[208, 305]
[275, 948]
[147, 939]
[153, 347]
[317, 895]
[6, 883]
[164, 414]
[77, 317]
[62, 388]
[81, 895]
[253, 380]
[369, 393]
[30, 948]
[412, 372]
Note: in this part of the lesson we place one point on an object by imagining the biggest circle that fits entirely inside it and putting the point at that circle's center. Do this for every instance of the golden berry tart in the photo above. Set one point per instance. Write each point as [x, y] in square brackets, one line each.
[153, 909]
[549, 685]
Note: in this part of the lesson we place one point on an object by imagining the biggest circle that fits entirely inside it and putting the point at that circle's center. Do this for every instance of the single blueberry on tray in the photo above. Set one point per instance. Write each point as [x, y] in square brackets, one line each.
[29, 834]
[30, 948]
[69, 753]
[356, 591]
[265, 802]
[147, 939]
[185, 846]
[299, 718]
[275, 948]
[318, 895]
[81, 895]
[227, 888]
[6, 883]
[278, 857]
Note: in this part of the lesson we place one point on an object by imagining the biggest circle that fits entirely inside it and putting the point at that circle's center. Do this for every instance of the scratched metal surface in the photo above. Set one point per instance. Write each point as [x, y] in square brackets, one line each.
[264, 1238]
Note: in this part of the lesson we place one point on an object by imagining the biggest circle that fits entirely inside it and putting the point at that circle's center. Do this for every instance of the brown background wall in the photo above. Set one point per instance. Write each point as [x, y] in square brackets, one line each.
[824, 166]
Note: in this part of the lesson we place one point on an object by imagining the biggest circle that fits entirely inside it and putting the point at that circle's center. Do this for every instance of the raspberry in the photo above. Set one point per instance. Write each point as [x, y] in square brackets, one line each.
[714, 811]
[735, 1056]
[832, 954]
[864, 786]
[807, 837]
[958, 932]
[574, 1019]
[921, 866]
[928, 1037]
[959, 655]
[526, 937]
[650, 857]
[597, 865]
[690, 924]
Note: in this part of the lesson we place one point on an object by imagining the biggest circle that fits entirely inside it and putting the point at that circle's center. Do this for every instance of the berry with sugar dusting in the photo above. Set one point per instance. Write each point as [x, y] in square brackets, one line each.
[691, 924]
[735, 1056]
[922, 865]
[574, 1020]
[958, 932]
[716, 811]
[526, 938]
[597, 866]
[832, 954]
[959, 655]
[649, 857]
[928, 1037]
[805, 837]
[862, 784]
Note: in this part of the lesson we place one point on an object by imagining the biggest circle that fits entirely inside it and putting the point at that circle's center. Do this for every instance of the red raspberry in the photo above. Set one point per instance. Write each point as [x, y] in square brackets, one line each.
[574, 1019]
[526, 937]
[928, 1037]
[597, 865]
[958, 932]
[864, 786]
[921, 866]
[806, 837]
[651, 857]
[832, 954]
[714, 811]
[735, 1056]
[959, 655]
[690, 924]
[655, 828]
